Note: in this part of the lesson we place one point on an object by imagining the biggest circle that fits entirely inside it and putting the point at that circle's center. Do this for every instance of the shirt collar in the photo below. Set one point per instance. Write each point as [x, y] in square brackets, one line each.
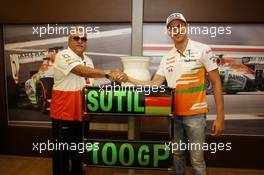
[188, 47]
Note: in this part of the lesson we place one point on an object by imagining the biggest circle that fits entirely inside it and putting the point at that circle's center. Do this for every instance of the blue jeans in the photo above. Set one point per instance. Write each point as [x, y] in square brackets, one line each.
[188, 130]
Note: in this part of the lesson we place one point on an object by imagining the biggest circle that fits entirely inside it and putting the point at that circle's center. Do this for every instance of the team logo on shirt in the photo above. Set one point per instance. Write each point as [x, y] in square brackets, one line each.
[169, 62]
[190, 53]
[213, 59]
[169, 68]
[189, 60]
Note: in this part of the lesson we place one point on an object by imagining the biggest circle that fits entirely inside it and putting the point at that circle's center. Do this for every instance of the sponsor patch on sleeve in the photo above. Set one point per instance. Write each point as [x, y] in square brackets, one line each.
[74, 61]
[65, 55]
[70, 59]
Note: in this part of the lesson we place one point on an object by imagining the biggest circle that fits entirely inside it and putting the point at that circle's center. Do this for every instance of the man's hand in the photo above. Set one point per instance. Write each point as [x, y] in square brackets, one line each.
[218, 127]
[118, 76]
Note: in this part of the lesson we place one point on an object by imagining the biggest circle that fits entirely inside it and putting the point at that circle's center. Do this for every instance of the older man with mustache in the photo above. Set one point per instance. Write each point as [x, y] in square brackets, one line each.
[71, 67]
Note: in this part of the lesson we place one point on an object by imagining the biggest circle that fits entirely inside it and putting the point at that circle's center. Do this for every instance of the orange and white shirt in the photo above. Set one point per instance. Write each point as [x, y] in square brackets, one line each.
[186, 74]
[66, 101]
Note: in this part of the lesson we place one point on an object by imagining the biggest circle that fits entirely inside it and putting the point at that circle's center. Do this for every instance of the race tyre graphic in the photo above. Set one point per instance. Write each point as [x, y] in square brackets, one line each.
[13, 92]
[43, 93]
[228, 91]
[209, 86]
[259, 78]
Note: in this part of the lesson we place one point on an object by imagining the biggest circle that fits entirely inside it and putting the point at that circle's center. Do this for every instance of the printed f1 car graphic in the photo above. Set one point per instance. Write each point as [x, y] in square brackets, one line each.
[38, 87]
[239, 75]
[257, 64]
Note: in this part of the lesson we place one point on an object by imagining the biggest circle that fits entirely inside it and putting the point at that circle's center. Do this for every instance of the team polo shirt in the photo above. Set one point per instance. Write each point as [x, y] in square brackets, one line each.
[186, 74]
[66, 101]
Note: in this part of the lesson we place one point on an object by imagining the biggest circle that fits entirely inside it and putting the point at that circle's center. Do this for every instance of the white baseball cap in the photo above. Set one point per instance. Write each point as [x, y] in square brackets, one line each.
[174, 16]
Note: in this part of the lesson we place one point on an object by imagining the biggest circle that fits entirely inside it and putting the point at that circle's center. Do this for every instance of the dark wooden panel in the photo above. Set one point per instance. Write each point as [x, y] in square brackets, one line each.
[65, 11]
[43, 166]
[3, 116]
[41, 11]
[247, 151]
[205, 10]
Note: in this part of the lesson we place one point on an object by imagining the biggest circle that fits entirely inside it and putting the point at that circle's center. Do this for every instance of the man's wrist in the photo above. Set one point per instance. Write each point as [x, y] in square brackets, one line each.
[220, 117]
[129, 79]
[107, 72]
